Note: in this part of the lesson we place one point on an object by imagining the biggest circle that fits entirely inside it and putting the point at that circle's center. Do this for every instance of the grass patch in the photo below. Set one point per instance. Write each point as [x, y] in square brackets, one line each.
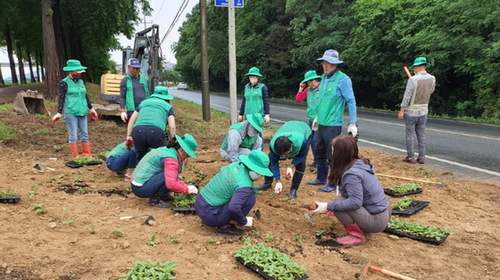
[7, 133]
[6, 107]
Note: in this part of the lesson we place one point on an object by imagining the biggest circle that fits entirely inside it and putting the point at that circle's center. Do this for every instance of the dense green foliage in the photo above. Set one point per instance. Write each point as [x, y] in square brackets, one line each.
[417, 229]
[404, 188]
[375, 40]
[150, 270]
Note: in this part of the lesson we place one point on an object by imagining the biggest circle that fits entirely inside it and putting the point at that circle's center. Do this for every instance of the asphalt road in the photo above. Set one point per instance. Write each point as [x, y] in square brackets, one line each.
[471, 149]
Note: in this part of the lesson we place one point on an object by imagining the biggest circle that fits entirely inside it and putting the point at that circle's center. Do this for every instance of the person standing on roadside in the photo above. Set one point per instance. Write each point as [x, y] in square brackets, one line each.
[256, 97]
[75, 103]
[415, 107]
[146, 128]
[134, 89]
[335, 92]
[309, 90]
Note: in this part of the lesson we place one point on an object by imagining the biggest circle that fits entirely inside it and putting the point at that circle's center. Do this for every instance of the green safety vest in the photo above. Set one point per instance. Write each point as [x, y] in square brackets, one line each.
[247, 141]
[129, 97]
[153, 111]
[75, 102]
[312, 103]
[222, 186]
[331, 107]
[253, 100]
[297, 132]
[150, 164]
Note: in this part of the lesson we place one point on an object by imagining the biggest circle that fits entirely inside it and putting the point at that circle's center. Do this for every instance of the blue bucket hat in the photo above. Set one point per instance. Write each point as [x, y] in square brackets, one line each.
[330, 56]
[134, 63]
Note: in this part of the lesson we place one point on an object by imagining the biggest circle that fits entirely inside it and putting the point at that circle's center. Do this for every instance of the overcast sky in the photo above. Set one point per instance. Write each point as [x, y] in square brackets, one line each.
[163, 14]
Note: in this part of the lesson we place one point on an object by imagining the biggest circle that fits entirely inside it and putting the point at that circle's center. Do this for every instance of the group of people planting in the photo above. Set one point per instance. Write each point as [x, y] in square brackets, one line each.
[154, 158]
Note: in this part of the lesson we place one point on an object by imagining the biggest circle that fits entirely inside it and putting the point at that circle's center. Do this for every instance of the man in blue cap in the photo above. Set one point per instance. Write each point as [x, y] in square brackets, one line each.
[414, 108]
[134, 89]
[335, 92]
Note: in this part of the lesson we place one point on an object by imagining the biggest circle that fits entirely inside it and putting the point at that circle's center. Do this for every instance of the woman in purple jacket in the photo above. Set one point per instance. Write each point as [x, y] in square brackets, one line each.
[362, 207]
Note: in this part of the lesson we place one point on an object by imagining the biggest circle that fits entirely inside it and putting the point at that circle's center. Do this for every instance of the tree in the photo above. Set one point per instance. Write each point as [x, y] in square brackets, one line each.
[51, 58]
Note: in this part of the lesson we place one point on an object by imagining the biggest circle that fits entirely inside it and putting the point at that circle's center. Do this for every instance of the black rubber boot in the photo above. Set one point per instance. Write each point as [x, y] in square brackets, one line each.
[267, 183]
[297, 178]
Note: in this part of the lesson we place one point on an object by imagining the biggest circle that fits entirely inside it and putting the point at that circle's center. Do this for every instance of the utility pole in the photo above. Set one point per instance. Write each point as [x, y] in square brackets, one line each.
[232, 63]
[205, 89]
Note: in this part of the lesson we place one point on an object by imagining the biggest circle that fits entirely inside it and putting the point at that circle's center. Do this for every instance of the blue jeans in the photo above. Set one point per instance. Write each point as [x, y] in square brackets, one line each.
[214, 216]
[75, 124]
[154, 186]
[145, 137]
[415, 126]
[127, 160]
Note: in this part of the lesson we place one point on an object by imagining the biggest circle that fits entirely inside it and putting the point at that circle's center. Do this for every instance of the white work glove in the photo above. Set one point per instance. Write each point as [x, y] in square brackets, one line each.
[93, 114]
[240, 118]
[314, 125]
[267, 119]
[56, 117]
[192, 189]
[321, 207]
[123, 115]
[249, 222]
[289, 173]
[352, 130]
[278, 188]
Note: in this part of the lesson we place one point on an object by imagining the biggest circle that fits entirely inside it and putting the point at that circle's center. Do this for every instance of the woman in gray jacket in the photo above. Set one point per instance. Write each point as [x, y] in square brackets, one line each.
[362, 207]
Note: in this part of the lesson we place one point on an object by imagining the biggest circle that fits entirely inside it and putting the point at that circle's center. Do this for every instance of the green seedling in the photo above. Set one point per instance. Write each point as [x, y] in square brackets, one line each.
[404, 188]
[70, 222]
[418, 229]
[79, 179]
[298, 238]
[118, 232]
[175, 240]
[6, 193]
[247, 240]
[256, 233]
[58, 148]
[212, 240]
[332, 224]
[92, 230]
[54, 217]
[320, 233]
[401, 205]
[38, 207]
[269, 237]
[153, 241]
[184, 199]
[149, 270]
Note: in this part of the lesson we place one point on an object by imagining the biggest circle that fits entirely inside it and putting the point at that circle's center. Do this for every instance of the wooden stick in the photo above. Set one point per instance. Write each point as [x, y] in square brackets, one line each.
[407, 71]
[390, 273]
[410, 179]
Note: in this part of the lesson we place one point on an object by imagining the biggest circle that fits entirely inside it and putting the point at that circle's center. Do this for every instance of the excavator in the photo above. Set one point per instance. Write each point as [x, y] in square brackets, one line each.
[147, 50]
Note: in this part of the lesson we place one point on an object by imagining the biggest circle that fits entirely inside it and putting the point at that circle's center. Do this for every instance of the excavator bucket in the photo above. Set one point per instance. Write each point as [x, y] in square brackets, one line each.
[30, 102]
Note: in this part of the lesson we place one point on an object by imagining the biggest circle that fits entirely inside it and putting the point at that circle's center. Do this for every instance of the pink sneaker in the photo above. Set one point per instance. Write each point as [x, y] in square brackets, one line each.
[410, 160]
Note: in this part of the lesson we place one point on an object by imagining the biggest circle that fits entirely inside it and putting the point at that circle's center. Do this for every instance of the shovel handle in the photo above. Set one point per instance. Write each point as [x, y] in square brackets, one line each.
[390, 273]
[126, 218]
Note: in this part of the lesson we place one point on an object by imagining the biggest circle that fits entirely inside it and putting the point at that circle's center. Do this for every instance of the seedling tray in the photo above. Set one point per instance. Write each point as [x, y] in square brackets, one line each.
[10, 199]
[396, 194]
[262, 273]
[418, 238]
[74, 164]
[185, 210]
[414, 207]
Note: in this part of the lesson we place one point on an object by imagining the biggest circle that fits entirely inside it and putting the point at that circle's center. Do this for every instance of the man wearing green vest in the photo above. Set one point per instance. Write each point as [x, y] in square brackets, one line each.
[230, 194]
[335, 92]
[242, 138]
[309, 91]
[146, 128]
[290, 141]
[134, 89]
[75, 103]
[256, 97]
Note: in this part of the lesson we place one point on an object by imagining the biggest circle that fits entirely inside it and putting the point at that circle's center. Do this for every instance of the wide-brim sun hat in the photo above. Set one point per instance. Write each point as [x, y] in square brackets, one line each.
[256, 121]
[310, 75]
[188, 144]
[258, 162]
[330, 56]
[420, 61]
[254, 71]
[162, 93]
[73, 65]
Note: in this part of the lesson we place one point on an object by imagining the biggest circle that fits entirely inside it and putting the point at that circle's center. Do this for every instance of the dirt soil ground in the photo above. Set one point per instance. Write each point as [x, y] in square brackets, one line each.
[74, 238]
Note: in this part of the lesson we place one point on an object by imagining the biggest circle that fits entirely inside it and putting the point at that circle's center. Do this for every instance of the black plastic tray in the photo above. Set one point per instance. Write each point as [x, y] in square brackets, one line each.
[395, 194]
[262, 273]
[73, 164]
[10, 199]
[418, 238]
[414, 207]
[184, 210]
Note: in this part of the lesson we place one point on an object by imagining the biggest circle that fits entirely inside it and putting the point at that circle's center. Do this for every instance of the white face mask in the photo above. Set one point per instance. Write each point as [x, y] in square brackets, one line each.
[251, 131]
[254, 176]
[254, 80]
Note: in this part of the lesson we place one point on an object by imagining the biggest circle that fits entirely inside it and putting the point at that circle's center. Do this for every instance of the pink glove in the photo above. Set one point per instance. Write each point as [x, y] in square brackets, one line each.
[56, 118]
[129, 143]
[93, 114]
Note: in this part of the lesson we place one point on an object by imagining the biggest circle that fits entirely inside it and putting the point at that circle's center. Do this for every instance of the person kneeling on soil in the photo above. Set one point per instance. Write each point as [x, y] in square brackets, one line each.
[362, 207]
[242, 138]
[121, 158]
[230, 194]
[157, 173]
[290, 141]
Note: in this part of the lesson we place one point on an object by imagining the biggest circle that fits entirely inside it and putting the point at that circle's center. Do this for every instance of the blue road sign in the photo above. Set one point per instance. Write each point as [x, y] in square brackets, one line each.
[224, 3]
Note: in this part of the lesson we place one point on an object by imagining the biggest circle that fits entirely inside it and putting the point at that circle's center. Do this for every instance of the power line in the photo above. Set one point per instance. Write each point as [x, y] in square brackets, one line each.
[158, 13]
[176, 18]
